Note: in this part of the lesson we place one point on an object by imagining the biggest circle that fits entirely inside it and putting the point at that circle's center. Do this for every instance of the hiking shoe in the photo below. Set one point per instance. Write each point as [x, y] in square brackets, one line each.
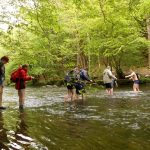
[2, 108]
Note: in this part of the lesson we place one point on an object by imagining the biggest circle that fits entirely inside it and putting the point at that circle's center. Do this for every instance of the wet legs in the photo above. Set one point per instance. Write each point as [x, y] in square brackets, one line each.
[136, 87]
[21, 94]
[1, 95]
[109, 91]
[70, 95]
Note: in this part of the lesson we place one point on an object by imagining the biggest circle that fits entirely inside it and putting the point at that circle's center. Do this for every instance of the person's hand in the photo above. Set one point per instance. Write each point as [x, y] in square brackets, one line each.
[32, 77]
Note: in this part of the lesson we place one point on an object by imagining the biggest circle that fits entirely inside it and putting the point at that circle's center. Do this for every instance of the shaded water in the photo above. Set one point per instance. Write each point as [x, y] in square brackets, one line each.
[100, 122]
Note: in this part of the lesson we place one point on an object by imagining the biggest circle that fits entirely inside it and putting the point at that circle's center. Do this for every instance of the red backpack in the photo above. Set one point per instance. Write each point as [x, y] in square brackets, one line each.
[15, 75]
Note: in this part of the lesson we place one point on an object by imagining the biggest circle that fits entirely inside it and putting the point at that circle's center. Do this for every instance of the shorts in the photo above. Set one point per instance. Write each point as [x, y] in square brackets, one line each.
[69, 87]
[20, 84]
[80, 88]
[108, 85]
[136, 82]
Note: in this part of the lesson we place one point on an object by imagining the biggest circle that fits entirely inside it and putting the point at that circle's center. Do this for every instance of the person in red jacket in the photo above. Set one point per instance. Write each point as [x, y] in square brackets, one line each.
[21, 84]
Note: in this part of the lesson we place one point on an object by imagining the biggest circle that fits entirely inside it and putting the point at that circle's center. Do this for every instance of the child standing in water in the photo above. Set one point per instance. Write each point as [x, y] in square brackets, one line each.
[133, 76]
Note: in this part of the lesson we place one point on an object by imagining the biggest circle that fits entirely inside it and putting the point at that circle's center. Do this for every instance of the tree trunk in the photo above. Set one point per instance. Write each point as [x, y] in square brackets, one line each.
[117, 65]
[78, 49]
[120, 73]
[89, 57]
[148, 32]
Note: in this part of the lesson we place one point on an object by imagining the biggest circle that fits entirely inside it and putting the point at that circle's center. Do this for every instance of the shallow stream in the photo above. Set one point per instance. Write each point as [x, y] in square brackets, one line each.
[100, 122]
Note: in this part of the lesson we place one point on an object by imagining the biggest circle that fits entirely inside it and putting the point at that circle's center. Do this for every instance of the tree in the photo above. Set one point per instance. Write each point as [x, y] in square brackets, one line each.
[53, 36]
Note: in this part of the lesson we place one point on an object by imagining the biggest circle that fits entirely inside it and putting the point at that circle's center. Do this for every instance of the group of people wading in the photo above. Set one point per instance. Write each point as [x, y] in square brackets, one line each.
[20, 76]
[110, 80]
[76, 80]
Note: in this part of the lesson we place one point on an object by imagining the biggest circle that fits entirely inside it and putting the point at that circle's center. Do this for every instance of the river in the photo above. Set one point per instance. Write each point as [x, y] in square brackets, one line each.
[100, 122]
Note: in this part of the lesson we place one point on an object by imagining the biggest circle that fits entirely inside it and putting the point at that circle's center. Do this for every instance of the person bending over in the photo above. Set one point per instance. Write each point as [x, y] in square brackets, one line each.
[21, 84]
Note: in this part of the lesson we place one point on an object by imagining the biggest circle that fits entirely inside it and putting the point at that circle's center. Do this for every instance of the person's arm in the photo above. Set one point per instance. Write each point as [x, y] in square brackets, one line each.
[111, 75]
[24, 76]
[86, 75]
[130, 76]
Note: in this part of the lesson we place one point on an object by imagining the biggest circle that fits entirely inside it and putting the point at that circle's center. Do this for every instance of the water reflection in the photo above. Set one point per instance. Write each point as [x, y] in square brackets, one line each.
[119, 122]
[3, 134]
[21, 126]
[20, 138]
[75, 105]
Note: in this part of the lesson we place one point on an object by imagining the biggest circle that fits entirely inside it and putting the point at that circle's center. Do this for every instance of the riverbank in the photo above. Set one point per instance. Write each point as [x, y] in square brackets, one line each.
[95, 82]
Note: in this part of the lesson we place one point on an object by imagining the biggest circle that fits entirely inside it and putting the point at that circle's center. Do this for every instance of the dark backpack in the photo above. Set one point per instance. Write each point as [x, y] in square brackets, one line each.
[67, 78]
[138, 76]
[82, 75]
[15, 75]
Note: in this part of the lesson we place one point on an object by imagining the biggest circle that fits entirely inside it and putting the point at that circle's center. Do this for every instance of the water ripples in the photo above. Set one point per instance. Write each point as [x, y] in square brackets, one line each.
[50, 123]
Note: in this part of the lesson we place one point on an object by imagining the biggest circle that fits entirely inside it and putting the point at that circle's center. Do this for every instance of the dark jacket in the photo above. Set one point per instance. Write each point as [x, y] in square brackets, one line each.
[23, 77]
[84, 75]
[2, 73]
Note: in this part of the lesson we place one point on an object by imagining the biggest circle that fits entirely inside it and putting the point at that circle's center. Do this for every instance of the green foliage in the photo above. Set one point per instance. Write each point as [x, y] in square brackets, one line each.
[53, 36]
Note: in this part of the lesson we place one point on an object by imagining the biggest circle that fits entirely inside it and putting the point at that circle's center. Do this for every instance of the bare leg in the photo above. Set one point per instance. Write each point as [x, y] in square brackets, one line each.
[21, 94]
[72, 94]
[68, 95]
[135, 87]
[111, 91]
[1, 95]
[107, 91]
[82, 97]
[76, 96]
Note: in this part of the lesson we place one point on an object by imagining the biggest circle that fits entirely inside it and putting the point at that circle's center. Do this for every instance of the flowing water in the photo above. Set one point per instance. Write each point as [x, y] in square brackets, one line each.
[100, 122]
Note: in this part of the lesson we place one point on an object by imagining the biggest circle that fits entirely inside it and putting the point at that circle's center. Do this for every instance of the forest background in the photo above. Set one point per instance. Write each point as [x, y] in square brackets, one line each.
[53, 36]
